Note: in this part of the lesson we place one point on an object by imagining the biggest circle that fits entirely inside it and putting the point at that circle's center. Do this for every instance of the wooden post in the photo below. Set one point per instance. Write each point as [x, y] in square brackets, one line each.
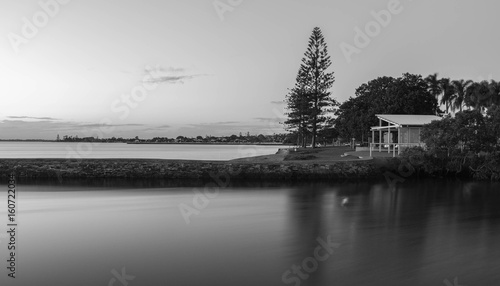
[399, 140]
[389, 139]
[373, 142]
[380, 135]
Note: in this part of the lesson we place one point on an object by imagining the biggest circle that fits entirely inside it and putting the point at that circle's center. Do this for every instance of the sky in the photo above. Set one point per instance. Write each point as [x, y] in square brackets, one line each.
[158, 68]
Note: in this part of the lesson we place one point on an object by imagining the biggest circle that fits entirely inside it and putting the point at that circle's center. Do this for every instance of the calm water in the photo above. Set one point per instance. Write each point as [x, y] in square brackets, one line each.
[122, 150]
[425, 233]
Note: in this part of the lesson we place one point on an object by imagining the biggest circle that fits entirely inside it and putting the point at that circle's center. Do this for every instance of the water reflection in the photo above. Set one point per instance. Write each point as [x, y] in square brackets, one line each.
[420, 233]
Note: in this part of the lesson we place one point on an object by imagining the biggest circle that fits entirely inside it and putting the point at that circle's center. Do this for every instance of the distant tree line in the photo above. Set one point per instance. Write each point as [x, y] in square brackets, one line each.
[274, 138]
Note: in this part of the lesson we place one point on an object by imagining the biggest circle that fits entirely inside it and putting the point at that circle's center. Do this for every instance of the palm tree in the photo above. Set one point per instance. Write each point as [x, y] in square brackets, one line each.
[484, 95]
[448, 93]
[470, 98]
[478, 95]
[460, 88]
[433, 85]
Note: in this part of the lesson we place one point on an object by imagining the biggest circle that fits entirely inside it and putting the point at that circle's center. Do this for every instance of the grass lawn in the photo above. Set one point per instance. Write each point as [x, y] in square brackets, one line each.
[307, 155]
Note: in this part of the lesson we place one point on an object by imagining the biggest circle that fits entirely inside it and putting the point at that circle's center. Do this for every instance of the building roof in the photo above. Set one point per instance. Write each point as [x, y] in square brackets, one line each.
[408, 119]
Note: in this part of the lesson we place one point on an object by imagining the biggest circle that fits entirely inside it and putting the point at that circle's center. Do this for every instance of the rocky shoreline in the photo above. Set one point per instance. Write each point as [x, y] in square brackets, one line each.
[185, 169]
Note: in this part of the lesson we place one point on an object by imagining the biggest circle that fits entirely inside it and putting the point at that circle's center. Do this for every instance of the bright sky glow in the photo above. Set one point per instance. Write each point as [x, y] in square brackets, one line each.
[214, 72]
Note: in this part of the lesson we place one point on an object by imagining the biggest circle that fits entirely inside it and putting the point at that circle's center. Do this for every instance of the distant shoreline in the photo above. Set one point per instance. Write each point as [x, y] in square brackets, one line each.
[157, 143]
[209, 143]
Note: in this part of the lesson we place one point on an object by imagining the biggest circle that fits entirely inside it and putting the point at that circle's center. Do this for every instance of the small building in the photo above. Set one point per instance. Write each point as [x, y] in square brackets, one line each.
[398, 131]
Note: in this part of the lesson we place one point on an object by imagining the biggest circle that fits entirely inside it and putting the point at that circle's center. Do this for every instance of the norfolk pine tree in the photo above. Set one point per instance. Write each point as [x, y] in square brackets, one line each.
[315, 81]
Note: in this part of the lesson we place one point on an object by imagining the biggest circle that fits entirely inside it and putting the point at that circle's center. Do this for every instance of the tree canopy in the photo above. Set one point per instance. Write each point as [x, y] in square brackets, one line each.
[468, 132]
[408, 94]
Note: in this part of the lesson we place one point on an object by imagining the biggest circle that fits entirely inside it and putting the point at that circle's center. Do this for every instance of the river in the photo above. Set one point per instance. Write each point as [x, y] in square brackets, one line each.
[425, 232]
[140, 151]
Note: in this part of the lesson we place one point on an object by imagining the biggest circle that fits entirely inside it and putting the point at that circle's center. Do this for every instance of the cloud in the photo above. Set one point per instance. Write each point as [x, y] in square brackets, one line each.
[170, 79]
[31, 117]
[212, 124]
[156, 128]
[278, 102]
[172, 69]
[91, 125]
[227, 122]
[269, 119]
[169, 75]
